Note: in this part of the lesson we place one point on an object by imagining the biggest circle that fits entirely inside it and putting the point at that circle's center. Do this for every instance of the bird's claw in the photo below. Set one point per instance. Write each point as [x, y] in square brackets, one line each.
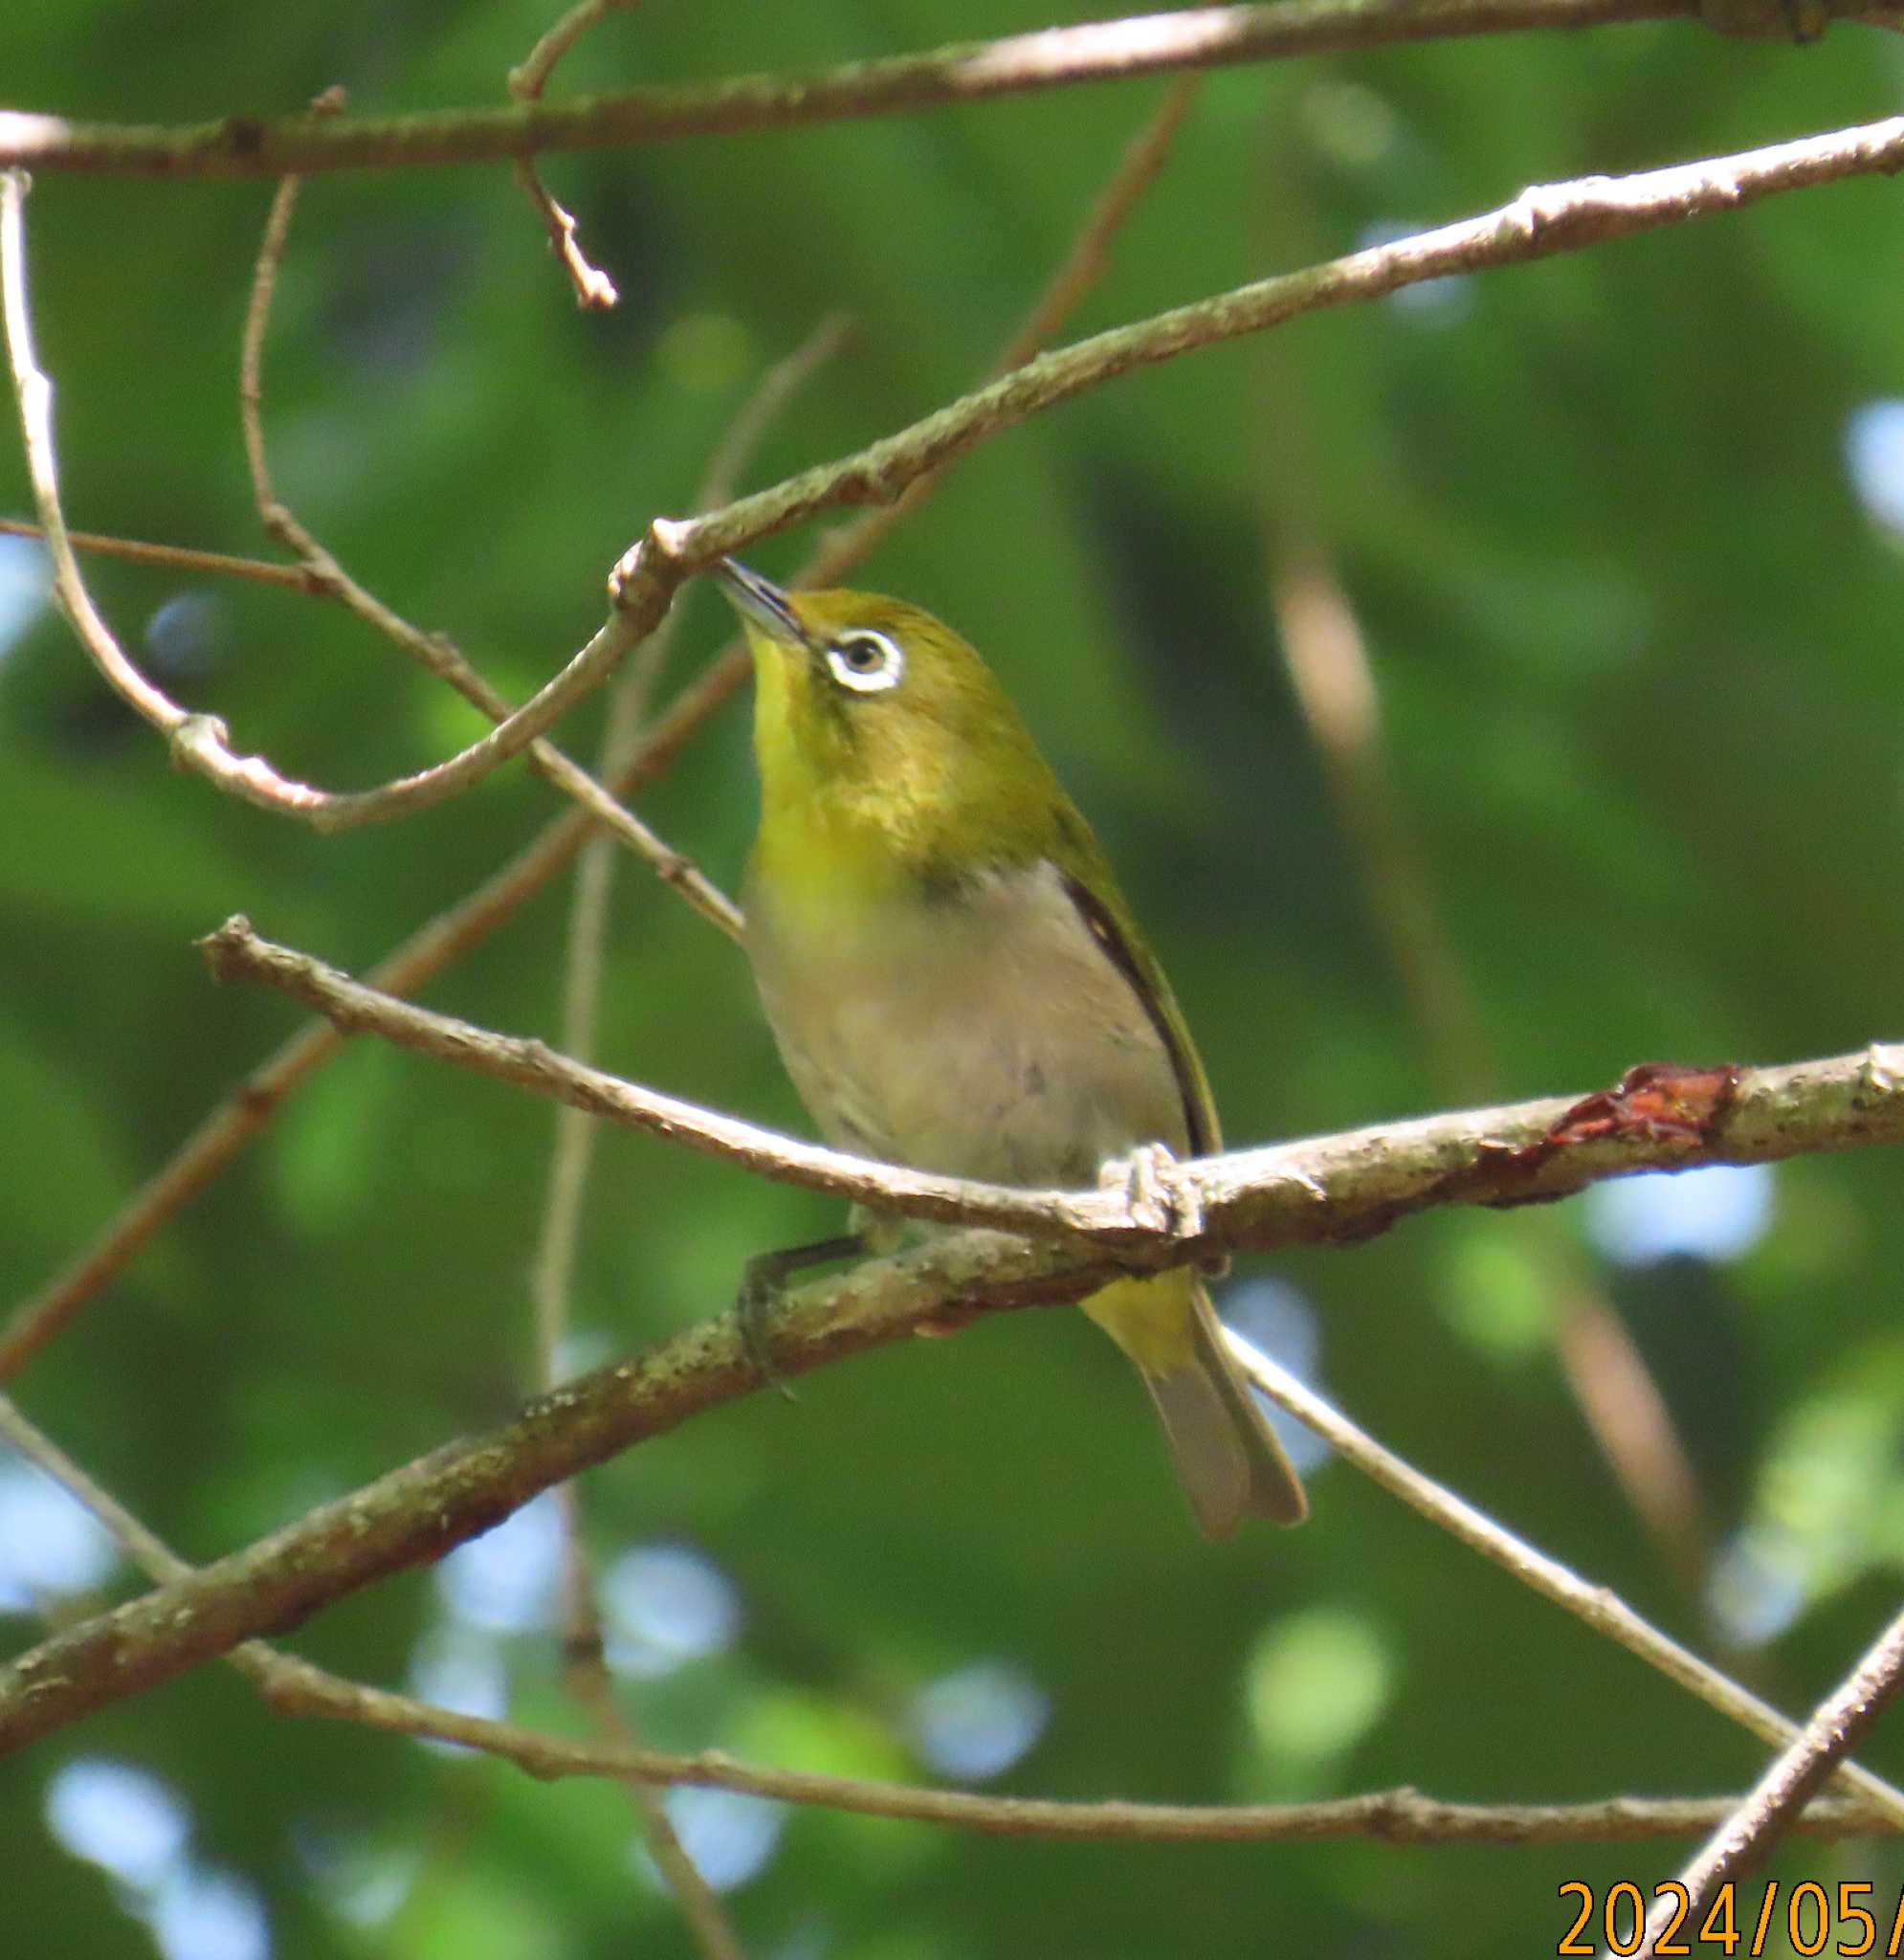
[766, 1273]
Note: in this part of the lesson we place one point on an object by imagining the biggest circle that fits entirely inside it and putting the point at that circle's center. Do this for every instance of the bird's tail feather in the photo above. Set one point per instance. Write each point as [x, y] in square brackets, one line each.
[1227, 1457]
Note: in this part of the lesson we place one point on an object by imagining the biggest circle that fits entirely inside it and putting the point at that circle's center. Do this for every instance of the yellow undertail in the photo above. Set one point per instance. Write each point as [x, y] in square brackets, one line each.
[1227, 1457]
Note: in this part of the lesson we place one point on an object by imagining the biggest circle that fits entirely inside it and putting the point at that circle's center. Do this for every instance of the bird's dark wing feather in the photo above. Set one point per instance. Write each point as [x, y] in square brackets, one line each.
[1153, 993]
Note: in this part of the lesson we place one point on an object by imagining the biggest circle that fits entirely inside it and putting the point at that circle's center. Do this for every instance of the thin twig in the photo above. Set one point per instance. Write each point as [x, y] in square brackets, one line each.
[1076, 277]
[34, 395]
[765, 405]
[235, 952]
[1056, 58]
[1334, 683]
[1540, 222]
[140, 1544]
[645, 583]
[594, 290]
[588, 1681]
[435, 650]
[1089, 259]
[180, 558]
[530, 75]
[1399, 1816]
[1625, 1409]
[1595, 1606]
[1841, 1721]
[584, 1669]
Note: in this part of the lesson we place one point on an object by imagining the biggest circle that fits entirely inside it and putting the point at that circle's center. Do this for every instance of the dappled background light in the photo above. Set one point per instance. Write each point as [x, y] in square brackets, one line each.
[1276, 1316]
[187, 635]
[462, 1669]
[137, 1828]
[123, 1819]
[1759, 1585]
[1445, 301]
[353, 1876]
[201, 1914]
[730, 1836]
[664, 1605]
[976, 1723]
[1719, 1212]
[1315, 1682]
[1348, 122]
[506, 1581]
[51, 1546]
[1875, 458]
[26, 586]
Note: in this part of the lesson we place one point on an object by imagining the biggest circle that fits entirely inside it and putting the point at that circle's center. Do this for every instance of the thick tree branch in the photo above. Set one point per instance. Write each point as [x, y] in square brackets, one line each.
[295, 1687]
[292, 1686]
[415, 1514]
[1058, 57]
[1319, 1190]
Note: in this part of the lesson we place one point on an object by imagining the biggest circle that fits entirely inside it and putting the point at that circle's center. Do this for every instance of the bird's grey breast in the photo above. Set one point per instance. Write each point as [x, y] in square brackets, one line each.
[981, 1030]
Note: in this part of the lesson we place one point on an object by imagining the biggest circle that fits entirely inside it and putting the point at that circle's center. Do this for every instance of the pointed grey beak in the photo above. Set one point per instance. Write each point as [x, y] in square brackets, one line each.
[761, 601]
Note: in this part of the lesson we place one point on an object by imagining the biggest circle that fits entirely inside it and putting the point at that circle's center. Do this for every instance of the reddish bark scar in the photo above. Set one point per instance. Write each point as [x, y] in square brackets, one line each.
[1663, 1102]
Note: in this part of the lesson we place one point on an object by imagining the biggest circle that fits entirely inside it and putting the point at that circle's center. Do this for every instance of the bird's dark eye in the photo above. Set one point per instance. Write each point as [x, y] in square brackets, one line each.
[866, 662]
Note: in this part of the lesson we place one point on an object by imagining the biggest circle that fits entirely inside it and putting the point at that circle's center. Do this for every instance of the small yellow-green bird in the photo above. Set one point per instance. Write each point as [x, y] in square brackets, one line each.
[956, 982]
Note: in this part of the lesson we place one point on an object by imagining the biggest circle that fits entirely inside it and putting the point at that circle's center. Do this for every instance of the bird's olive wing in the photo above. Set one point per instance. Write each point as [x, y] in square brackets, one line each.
[1146, 981]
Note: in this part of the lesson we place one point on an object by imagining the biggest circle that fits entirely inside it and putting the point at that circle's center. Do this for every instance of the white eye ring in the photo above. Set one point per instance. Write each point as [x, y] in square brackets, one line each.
[866, 662]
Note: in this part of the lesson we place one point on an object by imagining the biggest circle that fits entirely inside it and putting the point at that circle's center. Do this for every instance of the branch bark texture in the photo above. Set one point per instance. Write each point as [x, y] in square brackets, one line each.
[417, 1513]
[1338, 1188]
[900, 84]
[1319, 1191]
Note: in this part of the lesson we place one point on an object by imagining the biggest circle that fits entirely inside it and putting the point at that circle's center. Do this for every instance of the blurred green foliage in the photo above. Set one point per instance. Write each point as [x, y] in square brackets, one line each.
[1635, 622]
